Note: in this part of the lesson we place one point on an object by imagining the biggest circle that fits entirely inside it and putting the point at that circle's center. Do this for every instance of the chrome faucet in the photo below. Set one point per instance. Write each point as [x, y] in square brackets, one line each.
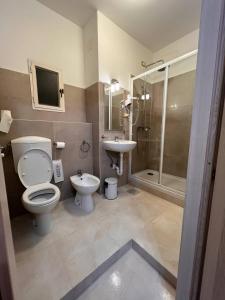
[79, 173]
[116, 139]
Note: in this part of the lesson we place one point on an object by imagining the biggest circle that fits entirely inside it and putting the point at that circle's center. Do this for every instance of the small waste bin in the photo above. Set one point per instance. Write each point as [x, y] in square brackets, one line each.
[111, 188]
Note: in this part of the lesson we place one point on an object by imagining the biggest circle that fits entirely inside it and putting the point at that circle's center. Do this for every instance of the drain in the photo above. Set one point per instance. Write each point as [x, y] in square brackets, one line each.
[150, 173]
[133, 191]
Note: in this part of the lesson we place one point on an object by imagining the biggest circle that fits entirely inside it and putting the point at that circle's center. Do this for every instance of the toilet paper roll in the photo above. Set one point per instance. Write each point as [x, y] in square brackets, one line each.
[6, 120]
[60, 145]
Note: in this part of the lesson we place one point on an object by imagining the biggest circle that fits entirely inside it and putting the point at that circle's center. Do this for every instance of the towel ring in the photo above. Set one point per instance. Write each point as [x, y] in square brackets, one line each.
[85, 147]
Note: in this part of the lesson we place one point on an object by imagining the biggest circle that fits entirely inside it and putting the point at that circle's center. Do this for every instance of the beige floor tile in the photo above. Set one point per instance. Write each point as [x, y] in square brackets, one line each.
[50, 266]
[130, 278]
[41, 275]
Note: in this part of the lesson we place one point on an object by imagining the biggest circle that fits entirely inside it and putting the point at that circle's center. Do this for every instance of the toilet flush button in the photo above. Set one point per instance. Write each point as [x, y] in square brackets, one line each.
[25, 157]
[23, 174]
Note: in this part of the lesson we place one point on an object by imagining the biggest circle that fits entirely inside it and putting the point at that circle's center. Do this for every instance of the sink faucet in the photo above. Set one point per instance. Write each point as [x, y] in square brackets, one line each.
[116, 139]
[79, 173]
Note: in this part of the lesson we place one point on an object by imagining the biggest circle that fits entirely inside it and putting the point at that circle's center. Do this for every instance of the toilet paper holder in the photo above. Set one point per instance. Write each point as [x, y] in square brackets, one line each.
[5, 150]
[2, 148]
[59, 145]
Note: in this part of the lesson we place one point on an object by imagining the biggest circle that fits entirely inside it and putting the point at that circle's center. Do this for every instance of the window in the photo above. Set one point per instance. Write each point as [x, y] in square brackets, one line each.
[47, 88]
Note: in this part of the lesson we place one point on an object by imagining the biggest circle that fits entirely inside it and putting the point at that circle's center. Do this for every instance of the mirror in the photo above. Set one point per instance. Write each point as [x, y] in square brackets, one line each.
[113, 108]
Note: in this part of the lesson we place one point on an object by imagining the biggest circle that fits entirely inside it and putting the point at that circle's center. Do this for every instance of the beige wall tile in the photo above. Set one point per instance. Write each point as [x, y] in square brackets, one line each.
[72, 158]
[15, 95]
[13, 184]
[92, 113]
[81, 106]
[177, 130]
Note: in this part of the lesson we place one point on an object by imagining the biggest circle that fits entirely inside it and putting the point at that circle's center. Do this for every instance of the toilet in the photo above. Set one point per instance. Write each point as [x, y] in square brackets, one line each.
[33, 163]
[85, 184]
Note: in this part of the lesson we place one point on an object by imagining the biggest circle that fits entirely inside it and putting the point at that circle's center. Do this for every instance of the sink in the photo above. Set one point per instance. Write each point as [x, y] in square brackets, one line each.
[119, 145]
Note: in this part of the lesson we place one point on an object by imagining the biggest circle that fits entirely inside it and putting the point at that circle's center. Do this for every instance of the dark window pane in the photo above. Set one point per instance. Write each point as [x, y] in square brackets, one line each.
[47, 86]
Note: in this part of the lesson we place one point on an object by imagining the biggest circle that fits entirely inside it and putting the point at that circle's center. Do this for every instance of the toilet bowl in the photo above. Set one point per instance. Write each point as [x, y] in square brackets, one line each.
[40, 200]
[33, 163]
[85, 185]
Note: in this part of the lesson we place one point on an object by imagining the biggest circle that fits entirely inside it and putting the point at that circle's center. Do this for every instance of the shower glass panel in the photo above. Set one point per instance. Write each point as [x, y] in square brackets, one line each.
[161, 124]
[180, 95]
[146, 130]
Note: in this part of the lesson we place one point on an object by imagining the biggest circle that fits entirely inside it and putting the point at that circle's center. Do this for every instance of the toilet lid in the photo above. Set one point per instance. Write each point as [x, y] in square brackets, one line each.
[35, 167]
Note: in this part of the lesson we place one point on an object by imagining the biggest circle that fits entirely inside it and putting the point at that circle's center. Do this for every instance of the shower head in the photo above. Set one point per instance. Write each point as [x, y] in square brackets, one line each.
[144, 65]
[162, 69]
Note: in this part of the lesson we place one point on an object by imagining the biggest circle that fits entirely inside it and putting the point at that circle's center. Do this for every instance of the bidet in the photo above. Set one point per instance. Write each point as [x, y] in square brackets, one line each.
[85, 185]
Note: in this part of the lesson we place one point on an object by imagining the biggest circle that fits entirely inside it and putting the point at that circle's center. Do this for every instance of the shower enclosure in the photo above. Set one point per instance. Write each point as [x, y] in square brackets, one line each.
[160, 123]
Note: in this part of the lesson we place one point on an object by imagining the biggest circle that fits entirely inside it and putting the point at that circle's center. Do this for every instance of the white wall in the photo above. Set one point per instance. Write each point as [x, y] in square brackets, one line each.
[119, 54]
[90, 33]
[30, 30]
[179, 47]
[101, 51]
[185, 44]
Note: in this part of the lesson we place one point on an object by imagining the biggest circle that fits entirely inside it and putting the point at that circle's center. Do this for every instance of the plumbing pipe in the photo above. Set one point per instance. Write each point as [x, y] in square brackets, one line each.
[119, 170]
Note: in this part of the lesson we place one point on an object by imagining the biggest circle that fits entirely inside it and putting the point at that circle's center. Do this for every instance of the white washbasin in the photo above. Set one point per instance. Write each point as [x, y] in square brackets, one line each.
[119, 145]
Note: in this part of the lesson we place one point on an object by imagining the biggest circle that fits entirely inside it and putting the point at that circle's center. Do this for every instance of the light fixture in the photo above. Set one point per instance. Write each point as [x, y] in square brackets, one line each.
[115, 85]
[113, 88]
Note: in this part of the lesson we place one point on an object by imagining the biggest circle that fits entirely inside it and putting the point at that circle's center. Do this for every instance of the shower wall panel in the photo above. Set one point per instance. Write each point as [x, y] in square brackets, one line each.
[178, 124]
[140, 155]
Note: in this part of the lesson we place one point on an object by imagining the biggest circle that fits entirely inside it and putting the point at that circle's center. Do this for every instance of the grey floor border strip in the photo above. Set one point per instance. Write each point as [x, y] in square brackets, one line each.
[167, 275]
[93, 276]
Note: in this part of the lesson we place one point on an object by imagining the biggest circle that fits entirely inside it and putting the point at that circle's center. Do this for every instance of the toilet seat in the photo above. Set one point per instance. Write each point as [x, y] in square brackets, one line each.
[41, 194]
[34, 167]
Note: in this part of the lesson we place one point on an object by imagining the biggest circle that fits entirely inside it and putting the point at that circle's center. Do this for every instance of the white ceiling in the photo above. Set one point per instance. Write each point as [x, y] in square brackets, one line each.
[154, 23]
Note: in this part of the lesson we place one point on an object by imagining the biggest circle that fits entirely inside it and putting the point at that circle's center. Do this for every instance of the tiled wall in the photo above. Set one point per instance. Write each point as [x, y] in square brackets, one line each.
[95, 115]
[105, 162]
[70, 127]
[82, 120]
[177, 131]
[141, 120]
[178, 123]
[15, 95]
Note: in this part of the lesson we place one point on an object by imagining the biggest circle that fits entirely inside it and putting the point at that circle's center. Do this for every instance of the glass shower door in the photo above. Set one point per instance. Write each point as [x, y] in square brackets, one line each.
[147, 119]
[180, 95]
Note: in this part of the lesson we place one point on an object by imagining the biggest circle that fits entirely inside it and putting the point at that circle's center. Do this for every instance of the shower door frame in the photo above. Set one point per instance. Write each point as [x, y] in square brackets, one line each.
[163, 122]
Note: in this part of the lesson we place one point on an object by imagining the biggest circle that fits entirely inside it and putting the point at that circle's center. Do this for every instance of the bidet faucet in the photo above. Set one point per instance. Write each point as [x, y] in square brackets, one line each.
[79, 173]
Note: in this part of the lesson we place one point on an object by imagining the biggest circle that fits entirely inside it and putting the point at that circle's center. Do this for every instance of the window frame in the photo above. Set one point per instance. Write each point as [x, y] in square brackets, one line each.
[34, 90]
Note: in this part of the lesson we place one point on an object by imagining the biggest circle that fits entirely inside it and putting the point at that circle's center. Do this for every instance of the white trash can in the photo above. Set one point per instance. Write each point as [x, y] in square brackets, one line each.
[110, 185]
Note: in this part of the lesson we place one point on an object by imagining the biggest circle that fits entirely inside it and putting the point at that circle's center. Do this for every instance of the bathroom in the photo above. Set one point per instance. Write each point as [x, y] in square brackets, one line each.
[120, 87]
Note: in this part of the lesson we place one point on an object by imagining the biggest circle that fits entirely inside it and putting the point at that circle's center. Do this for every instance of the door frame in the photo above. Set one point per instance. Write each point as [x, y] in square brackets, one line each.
[213, 278]
[203, 148]
[8, 282]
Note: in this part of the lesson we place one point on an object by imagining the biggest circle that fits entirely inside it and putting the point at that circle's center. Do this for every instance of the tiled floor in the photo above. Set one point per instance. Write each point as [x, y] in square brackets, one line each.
[49, 267]
[130, 278]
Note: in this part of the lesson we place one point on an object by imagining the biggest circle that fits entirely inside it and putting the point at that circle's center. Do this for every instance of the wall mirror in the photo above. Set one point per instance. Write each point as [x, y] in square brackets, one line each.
[113, 96]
